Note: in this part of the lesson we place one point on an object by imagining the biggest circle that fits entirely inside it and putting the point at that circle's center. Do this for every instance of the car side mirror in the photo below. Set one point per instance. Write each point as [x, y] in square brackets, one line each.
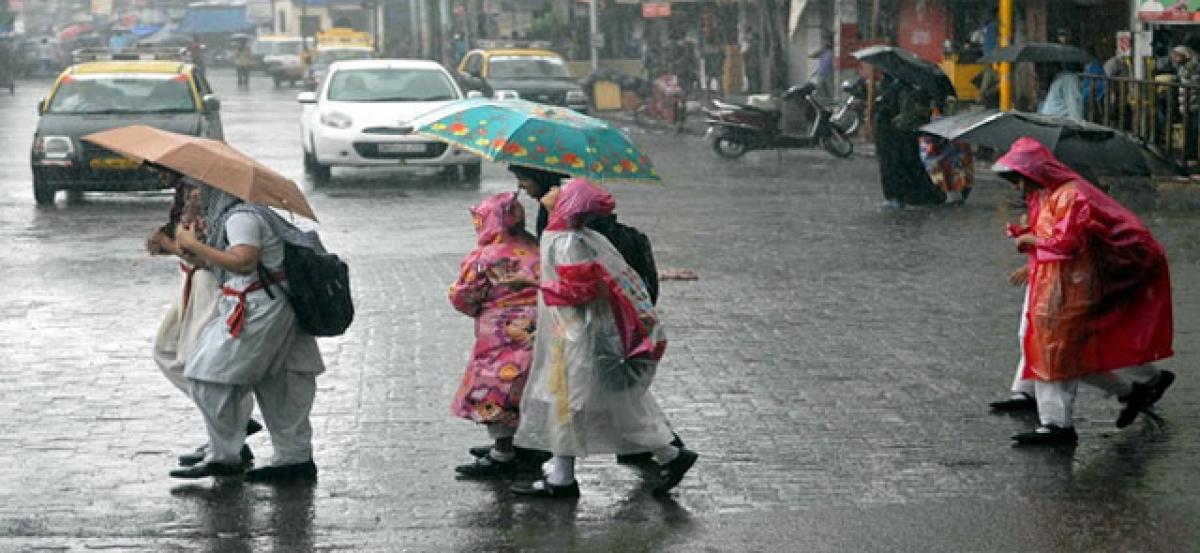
[307, 97]
[474, 94]
[211, 103]
[41, 107]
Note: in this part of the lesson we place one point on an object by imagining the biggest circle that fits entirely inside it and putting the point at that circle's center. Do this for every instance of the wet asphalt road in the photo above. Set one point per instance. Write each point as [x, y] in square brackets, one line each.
[831, 365]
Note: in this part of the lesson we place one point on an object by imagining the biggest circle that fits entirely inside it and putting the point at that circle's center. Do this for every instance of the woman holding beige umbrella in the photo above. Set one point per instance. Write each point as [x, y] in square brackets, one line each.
[255, 343]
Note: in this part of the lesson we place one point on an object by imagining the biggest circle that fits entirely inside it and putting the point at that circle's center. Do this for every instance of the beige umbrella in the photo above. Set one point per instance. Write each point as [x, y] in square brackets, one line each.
[212, 162]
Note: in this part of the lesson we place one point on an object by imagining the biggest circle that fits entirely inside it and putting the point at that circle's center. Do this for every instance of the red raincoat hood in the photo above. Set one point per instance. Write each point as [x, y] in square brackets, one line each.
[1033, 160]
[578, 200]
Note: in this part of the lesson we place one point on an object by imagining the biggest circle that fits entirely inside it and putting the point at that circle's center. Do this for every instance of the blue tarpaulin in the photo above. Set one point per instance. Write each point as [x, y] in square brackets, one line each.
[215, 20]
[143, 31]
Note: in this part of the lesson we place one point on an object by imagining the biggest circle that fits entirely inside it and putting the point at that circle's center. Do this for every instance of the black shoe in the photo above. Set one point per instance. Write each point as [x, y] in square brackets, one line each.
[542, 488]
[674, 471]
[306, 471]
[1025, 402]
[1165, 379]
[1048, 435]
[1138, 400]
[635, 458]
[643, 458]
[486, 468]
[524, 455]
[203, 470]
[192, 458]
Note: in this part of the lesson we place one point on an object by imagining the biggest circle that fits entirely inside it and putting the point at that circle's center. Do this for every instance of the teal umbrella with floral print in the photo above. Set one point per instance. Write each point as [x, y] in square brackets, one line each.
[534, 135]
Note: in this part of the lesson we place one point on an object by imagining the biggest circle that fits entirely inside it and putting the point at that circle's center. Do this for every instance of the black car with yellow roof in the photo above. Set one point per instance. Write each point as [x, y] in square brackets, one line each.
[105, 90]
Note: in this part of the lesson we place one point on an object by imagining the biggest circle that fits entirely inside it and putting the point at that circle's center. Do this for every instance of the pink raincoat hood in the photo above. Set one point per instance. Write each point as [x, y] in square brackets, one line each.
[1033, 160]
[578, 199]
[497, 215]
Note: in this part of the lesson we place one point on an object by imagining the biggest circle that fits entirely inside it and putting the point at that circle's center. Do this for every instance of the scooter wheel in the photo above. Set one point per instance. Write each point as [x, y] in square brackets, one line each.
[729, 147]
[837, 144]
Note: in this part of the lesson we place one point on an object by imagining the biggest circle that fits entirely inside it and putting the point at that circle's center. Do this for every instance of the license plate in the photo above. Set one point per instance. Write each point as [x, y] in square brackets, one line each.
[401, 148]
[113, 164]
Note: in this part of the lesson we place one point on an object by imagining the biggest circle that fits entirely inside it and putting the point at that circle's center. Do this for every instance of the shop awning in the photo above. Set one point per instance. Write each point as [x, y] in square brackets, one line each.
[215, 20]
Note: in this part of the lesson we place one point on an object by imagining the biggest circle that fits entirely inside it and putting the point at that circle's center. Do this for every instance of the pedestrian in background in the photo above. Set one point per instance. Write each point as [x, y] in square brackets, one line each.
[193, 307]
[597, 349]
[254, 345]
[243, 61]
[900, 111]
[195, 50]
[1099, 295]
[822, 73]
[505, 324]
[1063, 98]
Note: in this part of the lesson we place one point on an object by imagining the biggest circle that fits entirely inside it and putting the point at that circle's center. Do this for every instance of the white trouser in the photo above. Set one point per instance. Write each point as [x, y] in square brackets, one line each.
[225, 418]
[285, 400]
[1021, 385]
[1056, 398]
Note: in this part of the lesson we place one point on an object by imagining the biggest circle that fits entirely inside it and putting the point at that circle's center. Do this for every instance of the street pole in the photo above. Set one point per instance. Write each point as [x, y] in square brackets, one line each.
[869, 126]
[1005, 23]
[594, 26]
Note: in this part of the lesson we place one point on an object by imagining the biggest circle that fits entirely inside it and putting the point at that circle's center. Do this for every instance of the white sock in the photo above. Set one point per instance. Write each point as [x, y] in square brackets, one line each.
[562, 470]
[665, 454]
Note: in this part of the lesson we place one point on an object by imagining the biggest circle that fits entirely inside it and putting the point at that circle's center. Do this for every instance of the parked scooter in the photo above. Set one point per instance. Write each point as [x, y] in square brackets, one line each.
[799, 122]
[848, 114]
[667, 102]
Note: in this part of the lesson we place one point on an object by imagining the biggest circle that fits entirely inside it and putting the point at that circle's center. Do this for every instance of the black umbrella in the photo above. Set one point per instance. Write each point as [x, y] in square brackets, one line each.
[1038, 52]
[1081, 145]
[906, 67]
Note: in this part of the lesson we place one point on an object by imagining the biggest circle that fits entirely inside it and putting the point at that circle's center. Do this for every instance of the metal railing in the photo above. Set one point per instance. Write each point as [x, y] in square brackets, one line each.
[1164, 116]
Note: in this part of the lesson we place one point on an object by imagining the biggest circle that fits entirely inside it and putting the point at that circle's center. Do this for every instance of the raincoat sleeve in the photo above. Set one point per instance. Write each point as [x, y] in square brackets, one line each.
[579, 278]
[1066, 236]
[469, 291]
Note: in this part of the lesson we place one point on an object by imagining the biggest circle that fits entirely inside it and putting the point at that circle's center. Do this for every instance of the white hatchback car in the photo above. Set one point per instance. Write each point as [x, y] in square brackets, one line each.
[359, 114]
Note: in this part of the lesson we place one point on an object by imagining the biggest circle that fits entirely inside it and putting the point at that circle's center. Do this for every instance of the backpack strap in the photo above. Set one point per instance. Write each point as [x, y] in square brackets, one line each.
[264, 276]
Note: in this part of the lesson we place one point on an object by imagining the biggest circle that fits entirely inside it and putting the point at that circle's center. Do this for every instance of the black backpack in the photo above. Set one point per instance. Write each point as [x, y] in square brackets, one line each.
[319, 289]
[634, 246]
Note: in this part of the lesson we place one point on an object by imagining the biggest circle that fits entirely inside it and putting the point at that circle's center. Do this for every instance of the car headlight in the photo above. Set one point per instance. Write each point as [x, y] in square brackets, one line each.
[56, 147]
[576, 96]
[336, 119]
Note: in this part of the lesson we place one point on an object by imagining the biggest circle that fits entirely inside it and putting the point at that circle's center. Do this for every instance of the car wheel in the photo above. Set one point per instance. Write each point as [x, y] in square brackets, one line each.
[322, 173]
[43, 193]
[472, 172]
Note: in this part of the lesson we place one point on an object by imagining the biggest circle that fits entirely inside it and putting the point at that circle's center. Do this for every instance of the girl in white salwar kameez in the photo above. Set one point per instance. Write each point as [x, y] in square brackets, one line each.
[191, 308]
[253, 345]
[597, 347]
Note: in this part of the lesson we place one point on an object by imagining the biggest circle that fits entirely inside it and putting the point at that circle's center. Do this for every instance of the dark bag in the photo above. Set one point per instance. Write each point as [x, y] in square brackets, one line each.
[635, 248]
[319, 290]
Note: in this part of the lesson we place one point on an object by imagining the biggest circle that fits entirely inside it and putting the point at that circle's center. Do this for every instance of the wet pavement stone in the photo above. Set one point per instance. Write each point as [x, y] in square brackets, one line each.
[831, 365]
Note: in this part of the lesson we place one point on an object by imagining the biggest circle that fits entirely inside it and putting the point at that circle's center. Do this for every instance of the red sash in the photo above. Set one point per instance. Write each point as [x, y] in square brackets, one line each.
[237, 320]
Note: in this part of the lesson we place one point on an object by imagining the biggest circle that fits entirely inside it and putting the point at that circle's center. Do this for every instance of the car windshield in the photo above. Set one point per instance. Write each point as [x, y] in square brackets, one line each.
[527, 67]
[123, 93]
[326, 57]
[390, 85]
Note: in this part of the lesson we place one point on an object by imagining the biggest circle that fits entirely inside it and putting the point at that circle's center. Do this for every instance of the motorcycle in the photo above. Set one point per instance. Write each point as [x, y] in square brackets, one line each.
[667, 102]
[848, 114]
[735, 129]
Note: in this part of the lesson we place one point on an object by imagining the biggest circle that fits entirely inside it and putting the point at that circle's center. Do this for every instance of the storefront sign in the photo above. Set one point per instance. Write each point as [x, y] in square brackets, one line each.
[1169, 11]
[651, 10]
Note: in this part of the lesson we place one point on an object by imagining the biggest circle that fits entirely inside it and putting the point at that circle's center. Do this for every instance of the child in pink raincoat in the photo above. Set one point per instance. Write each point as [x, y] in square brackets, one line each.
[490, 393]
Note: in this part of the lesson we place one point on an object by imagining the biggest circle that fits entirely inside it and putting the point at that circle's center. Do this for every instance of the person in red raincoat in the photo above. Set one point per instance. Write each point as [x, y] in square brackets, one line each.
[1099, 295]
